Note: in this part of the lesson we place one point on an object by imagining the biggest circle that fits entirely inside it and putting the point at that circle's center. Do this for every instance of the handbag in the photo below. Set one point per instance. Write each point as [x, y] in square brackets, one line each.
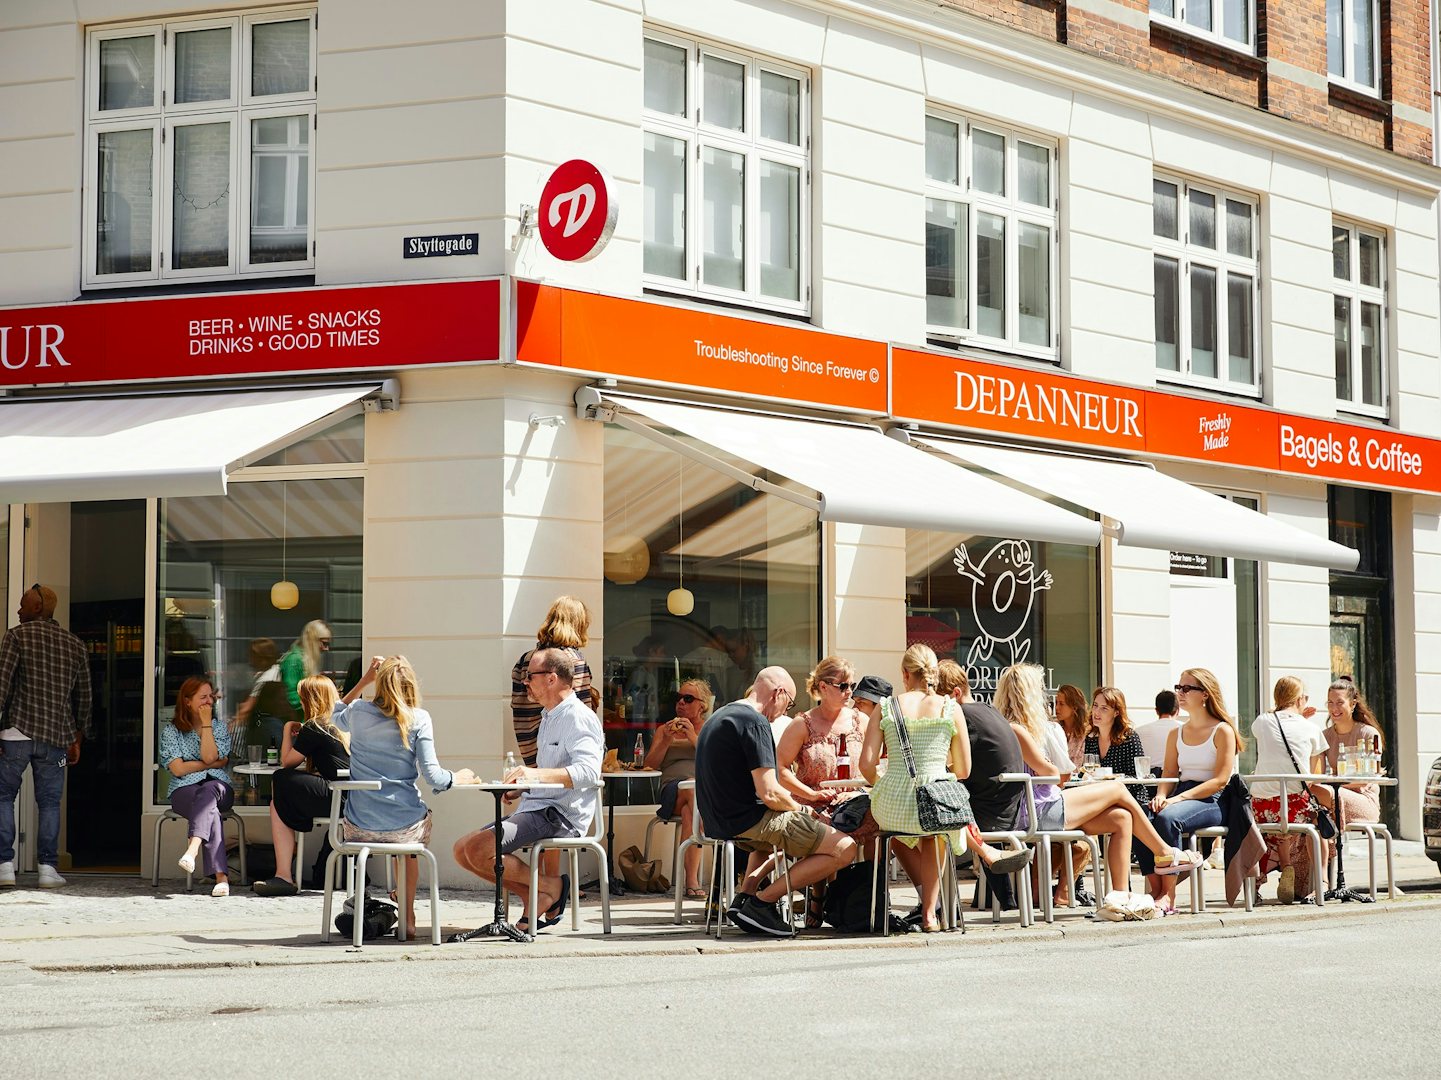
[941, 805]
[1325, 823]
[851, 814]
[641, 875]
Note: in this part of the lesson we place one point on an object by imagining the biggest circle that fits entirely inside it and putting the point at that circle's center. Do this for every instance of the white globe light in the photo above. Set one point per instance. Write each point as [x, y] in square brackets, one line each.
[284, 595]
[680, 602]
[626, 559]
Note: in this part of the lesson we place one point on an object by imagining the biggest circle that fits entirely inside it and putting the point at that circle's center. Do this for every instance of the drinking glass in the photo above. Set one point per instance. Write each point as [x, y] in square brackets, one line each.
[1143, 767]
[1090, 763]
[254, 753]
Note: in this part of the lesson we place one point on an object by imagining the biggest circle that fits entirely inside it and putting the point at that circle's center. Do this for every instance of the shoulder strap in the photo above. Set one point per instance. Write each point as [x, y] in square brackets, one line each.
[904, 736]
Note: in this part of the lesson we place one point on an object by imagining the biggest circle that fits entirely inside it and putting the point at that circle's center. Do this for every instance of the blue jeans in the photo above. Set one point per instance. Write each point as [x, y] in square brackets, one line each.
[47, 764]
[1177, 818]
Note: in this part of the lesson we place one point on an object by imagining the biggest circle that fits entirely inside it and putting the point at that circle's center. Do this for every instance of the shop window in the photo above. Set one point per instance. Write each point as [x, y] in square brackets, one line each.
[342, 443]
[1229, 22]
[1353, 42]
[198, 155]
[219, 558]
[1207, 281]
[991, 236]
[1358, 273]
[1210, 595]
[726, 174]
[988, 602]
[749, 562]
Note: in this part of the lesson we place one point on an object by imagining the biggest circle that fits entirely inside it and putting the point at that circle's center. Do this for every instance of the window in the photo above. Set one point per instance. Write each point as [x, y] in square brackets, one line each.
[727, 177]
[1206, 280]
[1353, 41]
[198, 155]
[990, 236]
[1231, 22]
[1358, 258]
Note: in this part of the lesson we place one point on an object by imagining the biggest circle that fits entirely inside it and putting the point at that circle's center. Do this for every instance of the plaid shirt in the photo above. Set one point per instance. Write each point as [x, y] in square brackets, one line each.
[44, 682]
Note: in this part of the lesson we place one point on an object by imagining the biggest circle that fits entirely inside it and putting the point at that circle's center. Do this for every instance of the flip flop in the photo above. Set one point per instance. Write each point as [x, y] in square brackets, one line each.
[695, 894]
[1012, 861]
[551, 915]
[1180, 861]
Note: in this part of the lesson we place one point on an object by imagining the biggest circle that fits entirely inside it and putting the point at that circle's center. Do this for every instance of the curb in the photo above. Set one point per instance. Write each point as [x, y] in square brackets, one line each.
[1227, 924]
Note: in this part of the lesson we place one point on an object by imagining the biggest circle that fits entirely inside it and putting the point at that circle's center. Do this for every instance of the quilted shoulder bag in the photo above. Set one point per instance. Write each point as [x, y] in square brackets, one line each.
[941, 805]
[1325, 823]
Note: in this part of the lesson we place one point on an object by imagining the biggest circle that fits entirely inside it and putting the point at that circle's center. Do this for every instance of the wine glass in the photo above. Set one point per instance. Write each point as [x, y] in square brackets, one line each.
[1090, 763]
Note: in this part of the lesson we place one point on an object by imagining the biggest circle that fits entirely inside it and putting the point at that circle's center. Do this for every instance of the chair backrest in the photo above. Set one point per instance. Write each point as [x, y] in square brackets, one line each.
[337, 792]
[597, 822]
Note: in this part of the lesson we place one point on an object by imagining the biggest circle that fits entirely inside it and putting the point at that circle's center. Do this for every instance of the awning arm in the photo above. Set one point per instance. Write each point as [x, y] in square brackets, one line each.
[590, 405]
[382, 398]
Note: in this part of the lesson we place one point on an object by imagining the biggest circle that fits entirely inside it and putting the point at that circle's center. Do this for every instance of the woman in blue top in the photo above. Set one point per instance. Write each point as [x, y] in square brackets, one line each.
[195, 751]
[392, 740]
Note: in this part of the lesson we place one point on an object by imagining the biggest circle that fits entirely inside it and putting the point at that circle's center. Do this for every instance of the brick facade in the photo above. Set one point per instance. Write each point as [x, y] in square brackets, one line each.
[1285, 75]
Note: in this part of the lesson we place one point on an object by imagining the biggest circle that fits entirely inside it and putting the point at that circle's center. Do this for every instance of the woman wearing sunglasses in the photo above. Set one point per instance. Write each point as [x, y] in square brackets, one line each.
[672, 751]
[812, 748]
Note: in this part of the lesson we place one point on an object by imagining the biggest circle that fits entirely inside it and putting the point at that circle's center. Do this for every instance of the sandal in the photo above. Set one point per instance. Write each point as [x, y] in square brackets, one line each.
[1178, 861]
[815, 909]
[551, 915]
[696, 893]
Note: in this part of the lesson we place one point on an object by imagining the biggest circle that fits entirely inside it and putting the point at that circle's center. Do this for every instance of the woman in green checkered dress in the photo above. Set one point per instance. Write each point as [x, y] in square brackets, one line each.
[931, 723]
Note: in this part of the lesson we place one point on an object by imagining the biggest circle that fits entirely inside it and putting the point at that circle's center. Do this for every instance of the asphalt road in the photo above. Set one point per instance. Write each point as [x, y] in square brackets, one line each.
[1340, 997]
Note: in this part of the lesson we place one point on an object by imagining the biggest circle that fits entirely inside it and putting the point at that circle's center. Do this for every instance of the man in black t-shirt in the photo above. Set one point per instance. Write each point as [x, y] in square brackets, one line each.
[741, 799]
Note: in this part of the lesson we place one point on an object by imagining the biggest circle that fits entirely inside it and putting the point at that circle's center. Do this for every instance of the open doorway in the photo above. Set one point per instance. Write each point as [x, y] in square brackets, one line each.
[107, 613]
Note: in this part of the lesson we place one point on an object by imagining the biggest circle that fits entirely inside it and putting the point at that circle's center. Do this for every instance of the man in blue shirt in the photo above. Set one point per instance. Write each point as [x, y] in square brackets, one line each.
[569, 747]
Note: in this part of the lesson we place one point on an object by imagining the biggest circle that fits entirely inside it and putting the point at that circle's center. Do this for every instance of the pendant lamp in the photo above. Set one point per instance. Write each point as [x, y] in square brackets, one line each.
[681, 601]
[284, 594]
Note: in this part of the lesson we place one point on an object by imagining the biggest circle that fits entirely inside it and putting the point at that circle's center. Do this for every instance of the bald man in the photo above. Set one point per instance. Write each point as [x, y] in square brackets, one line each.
[44, 711]
[741, 799]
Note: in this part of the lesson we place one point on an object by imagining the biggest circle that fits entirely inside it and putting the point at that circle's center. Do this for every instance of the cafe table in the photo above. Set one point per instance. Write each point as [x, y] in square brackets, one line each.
[855, 783]
[1341, 893]
[498, 927]
[617, 882]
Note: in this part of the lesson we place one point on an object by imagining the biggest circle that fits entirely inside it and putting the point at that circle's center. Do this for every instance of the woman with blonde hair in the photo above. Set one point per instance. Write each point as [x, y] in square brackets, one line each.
[1286, 742]
[300, 795]
[811, 748]
[566, 627]
[1201, 754]
[392, 739]
[672, 751]
[1101, 808]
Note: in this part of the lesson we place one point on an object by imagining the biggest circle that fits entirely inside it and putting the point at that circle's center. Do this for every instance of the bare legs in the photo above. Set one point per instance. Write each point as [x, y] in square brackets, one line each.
[921, 866]
[1107, 807]
[683, 810]
[283, 840]
[836, 850]
[476, 852]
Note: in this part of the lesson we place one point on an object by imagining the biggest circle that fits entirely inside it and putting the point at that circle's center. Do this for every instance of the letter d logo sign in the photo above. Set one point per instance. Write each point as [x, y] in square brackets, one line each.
[577, 211]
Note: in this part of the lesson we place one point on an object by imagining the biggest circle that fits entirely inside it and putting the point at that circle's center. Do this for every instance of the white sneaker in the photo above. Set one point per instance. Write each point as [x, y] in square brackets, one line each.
[50, 877]
[7, 873]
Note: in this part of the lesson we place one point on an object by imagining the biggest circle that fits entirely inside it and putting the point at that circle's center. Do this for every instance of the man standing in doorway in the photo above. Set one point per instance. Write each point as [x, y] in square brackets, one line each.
[44, 710]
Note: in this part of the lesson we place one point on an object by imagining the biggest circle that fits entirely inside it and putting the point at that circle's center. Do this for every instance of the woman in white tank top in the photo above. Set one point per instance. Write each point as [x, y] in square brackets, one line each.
[1201, 754]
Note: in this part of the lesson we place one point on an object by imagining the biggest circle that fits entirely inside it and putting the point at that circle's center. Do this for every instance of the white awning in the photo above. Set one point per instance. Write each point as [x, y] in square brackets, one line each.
[859, 475]
[84, 449]
[1148, 509]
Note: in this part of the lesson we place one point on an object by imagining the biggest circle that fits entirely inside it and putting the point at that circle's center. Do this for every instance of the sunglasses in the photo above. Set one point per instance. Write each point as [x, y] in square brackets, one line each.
[1182, 688]
[843, 687]
[532, 674]
[686, 699]
[36, 590]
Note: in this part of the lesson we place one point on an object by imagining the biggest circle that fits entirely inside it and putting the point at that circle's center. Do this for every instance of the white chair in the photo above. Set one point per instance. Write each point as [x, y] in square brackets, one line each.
[360, 851]
[1016, 841]
[1198, 875]
[697, 838]
[951, 909]
[1371, 830]
[1042, 840]
[573, 846]
[171, 815]
[723, 870]
[1286, 827]
[675, 841]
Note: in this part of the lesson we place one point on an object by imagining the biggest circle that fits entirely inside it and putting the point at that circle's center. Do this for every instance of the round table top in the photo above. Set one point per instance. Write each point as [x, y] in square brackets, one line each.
[497, 785]
[1323, 778]
[257, 769]
[1129, 781]
[853, 784]
[632, 774]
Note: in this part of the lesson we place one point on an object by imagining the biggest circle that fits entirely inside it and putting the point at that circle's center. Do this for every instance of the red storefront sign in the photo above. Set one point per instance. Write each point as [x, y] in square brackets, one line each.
[634, 339]
[1054, 407]
[578, 211]
[285, 331]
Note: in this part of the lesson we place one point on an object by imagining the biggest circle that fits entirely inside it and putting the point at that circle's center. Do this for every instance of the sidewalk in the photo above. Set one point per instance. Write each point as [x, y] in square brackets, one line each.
[120, 923]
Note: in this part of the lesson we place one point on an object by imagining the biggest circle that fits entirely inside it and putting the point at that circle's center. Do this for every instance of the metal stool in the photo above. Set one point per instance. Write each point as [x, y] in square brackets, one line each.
[951, 912]
[573, 846]
[171, 815]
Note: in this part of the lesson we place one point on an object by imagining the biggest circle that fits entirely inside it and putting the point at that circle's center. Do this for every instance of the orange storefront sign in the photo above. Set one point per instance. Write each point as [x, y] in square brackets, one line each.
[633, 339]
[1054, 407]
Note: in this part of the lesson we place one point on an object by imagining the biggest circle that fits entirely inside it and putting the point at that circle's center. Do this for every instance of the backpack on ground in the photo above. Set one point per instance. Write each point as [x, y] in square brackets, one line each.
[848, 903]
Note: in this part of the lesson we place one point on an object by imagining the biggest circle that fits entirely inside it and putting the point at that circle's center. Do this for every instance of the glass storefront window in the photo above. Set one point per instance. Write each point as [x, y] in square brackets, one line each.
[751, 564]
[988, 602]
[219, 557]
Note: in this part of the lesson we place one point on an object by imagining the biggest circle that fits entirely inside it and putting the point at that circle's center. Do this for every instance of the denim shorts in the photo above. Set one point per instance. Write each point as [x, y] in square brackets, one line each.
[524, 828]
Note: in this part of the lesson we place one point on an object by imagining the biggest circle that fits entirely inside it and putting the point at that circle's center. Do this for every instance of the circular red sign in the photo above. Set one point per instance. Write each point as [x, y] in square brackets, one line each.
[577, 212]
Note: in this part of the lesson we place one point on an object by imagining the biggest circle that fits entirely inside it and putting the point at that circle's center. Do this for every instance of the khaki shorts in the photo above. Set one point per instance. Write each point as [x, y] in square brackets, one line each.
[797, 834]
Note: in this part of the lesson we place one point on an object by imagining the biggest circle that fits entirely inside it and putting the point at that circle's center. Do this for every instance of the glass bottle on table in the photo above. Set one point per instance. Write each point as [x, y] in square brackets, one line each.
[510, 763]
[843, 759]
[637, 759]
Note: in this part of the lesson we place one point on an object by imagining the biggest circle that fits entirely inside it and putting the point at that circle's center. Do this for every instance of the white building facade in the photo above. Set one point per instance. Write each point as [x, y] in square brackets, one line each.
[881, 185]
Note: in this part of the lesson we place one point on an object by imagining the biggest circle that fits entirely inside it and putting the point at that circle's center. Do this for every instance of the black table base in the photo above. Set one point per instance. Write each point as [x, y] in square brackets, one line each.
[497, 927]
[1341, 893]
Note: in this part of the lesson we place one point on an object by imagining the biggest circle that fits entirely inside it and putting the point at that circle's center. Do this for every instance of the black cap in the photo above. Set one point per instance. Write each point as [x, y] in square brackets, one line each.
[873, 688]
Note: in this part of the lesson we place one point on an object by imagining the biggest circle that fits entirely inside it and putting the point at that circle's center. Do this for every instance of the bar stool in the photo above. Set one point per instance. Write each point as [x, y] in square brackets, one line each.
[951, 911]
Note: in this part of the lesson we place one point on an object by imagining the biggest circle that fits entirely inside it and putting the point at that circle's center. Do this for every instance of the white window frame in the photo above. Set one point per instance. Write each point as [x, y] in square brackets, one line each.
[1225, 264]
[163, 116]
[1353, 290]
[696, 135]
[1014, 212]
[1347, 75]
[1217, 34]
